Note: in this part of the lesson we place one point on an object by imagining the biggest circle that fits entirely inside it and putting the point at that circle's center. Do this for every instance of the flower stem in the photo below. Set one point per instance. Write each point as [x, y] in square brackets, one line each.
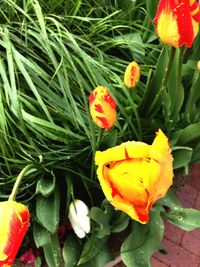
[169, 67]
[101, 130]
[18, 181]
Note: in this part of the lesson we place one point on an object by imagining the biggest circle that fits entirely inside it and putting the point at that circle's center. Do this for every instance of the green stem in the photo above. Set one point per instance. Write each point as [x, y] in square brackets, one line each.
[98, 142]
[99, 138]
[169, 67]
[18, 181]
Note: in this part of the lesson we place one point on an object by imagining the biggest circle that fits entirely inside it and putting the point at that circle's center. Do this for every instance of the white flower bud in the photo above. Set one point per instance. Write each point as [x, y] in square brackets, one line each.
[79, 219]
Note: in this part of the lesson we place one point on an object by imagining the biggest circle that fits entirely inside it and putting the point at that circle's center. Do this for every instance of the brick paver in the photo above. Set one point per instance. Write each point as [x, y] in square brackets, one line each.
[183, 247]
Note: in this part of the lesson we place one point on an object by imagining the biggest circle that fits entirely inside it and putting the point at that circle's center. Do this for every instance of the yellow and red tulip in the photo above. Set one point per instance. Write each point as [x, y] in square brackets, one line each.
[177, 22]
[132, 75]
[134, 175]
[102, 108]
[14, 222]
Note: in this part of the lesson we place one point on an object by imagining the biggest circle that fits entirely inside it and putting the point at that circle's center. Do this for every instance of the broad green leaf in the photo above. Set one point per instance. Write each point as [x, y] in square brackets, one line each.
[143, 241]
[47, 210]
[40, 234]
[92, 248]
[170, 200]
[49, 243]
[45, 186]
[185, 218]
[52, 252]
[182, 156]
[71, 250]
[100, 260]
[119, 222]
[102, 218]
[189, 134]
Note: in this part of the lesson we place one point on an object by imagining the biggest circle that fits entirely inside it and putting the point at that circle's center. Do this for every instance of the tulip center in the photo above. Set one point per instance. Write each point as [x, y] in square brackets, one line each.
[126, 179]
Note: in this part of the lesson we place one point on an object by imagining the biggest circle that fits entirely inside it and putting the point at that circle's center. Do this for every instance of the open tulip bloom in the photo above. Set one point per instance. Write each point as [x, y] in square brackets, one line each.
[102, 108]
[134, 175]
[177, 22]
[14, 222]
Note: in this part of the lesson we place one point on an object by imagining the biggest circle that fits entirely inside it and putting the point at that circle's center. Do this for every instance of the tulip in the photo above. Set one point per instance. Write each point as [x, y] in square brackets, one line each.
[132, 75]
[14, 222]
[177, 22]
[102, 108]
[134, 175]
[79, 219]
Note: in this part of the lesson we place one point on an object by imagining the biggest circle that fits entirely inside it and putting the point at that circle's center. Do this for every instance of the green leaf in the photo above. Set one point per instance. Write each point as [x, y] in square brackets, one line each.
[49, 243]
[152, 7]
[143, 241]
[110, 140]
[100, 260]
[185, 218]
[47, 210]
[189, 134]
[119, 222]
[40, 234]
[71, 250]
[52, 252]
[45, 186]
[102, 218]
[175, 89]
[38, 262]
[170, 200]
[92, 248]
[152, 100]
[191, 113]
[182, 156]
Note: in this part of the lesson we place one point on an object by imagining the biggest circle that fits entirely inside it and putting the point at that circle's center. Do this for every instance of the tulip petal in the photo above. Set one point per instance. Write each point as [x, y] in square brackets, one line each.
[130, 149]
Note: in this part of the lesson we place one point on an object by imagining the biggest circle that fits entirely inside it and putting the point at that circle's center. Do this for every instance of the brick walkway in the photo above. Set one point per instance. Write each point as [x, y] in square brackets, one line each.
[183, 247]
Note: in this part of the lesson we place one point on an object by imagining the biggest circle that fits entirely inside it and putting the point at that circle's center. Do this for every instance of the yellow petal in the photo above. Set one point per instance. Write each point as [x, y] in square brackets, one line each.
[130, 149]
[167, 28]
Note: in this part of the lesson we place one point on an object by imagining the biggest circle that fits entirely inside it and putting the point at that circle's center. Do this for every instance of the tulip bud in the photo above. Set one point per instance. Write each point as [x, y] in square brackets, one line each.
[132, 75]
[102, 108]
[14, 222]
[78, 216]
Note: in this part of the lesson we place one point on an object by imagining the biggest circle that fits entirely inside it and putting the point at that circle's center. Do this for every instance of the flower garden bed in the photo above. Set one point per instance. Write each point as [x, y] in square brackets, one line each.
[99, 123]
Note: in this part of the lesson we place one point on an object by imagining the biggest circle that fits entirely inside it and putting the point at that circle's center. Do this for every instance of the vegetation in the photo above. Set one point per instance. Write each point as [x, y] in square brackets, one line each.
[53, 54]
